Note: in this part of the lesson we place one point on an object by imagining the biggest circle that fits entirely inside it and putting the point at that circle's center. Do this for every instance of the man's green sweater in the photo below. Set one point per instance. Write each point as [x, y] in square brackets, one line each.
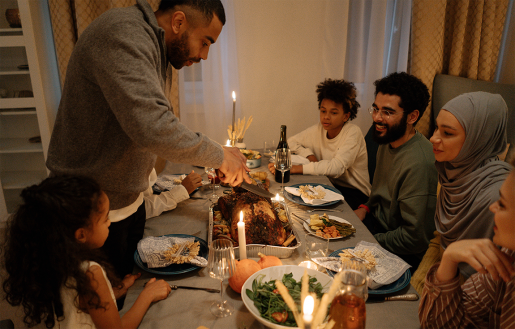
[403, 197]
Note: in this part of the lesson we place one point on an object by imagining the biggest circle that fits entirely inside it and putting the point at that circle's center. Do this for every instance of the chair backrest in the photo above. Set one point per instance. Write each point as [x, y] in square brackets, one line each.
[372, 147]
[446, 87]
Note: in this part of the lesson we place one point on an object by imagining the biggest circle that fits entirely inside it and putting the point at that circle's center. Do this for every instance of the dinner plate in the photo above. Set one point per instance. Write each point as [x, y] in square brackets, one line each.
[174, 268]
[298, 199]
[402, 282]
[276, 273]
[338, 219]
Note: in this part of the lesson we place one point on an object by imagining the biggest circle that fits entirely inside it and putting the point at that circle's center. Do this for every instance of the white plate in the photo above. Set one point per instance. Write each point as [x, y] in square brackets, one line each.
[338, 219]
[276, 273]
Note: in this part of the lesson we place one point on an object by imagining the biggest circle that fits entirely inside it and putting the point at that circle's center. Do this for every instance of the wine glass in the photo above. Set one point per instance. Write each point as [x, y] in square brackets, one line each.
[211, 175]
[282, 163]
[221, 264]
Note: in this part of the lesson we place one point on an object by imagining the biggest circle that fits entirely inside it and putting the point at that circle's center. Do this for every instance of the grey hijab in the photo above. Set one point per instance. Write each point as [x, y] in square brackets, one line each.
[470, 183]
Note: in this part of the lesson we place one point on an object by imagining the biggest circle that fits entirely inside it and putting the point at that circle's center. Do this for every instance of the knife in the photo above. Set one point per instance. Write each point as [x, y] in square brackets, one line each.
[399, 297]
[174, 287]
[256, 190]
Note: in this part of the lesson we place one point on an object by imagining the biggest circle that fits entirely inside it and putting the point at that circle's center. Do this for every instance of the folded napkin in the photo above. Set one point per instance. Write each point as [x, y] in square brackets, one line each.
[151, 251]
[329, 195]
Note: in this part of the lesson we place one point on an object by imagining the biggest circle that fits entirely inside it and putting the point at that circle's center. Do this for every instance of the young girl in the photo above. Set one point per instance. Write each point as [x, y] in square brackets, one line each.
[335, 147]
[55, 270]
[487, 298]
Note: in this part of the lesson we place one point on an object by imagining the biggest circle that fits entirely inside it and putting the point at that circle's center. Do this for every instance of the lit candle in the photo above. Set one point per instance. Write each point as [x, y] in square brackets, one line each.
[241, 237]
[307, 310]
[228, 143]
[278, 198]
[233, 112]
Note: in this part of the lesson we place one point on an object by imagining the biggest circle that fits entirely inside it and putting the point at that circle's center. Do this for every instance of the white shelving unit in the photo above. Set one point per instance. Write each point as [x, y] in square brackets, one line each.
[22, 161]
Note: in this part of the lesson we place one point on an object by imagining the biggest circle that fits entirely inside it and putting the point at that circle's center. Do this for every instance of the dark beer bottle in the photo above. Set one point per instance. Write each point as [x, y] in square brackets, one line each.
[283, 144]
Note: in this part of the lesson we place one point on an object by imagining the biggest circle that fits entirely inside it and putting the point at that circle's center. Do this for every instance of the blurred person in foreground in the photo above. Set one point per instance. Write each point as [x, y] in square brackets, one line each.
[487, 298]
[334, 147]
[401, 208]
[114, 118]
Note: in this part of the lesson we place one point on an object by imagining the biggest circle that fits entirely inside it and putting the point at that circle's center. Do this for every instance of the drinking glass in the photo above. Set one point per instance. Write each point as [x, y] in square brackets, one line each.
[211, 175]
[221, 264]
[316, 246]
[348, 306]
[282, 163]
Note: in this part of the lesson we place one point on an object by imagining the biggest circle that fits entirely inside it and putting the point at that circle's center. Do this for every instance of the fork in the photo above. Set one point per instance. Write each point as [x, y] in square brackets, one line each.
[312, 210]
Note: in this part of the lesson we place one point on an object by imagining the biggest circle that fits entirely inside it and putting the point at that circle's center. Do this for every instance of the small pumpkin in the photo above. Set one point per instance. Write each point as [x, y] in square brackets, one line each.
[244, 269]
[268, 261]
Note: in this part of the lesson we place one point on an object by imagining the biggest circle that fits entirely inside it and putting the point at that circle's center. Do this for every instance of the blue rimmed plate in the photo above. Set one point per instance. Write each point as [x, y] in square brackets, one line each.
[298, 199]
[401, 283]
[174, 268]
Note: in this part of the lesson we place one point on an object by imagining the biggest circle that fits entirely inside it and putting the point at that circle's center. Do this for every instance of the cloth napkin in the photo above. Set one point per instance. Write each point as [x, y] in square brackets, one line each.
[151, 251]
[329, 195]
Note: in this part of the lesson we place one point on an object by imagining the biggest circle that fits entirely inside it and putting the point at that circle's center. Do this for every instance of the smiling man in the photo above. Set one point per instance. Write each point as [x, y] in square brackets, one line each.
[400, 210]
[114, 117]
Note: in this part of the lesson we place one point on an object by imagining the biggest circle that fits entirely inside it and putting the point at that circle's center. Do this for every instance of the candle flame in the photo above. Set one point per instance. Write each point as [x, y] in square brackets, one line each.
[234, 96]
[228, 143]
[277, 197]
[309, 304]
[241, 216]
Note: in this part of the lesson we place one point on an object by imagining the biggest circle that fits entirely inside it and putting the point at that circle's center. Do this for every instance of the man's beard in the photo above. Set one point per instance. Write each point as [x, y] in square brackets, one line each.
[178, 52]
[393, 132]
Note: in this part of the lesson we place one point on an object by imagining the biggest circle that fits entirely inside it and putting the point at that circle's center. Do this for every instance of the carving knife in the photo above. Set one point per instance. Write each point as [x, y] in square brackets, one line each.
[256, 190]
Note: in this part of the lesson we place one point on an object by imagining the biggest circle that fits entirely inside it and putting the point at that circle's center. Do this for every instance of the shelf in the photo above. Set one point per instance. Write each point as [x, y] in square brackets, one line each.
[20, 179]
[17, 103]
[18, 112]
[19, 145]
[11, 30]
[12, 41]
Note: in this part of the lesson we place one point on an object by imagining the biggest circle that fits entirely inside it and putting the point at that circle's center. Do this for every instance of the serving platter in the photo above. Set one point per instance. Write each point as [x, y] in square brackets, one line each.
[174, 268]
[298, 199]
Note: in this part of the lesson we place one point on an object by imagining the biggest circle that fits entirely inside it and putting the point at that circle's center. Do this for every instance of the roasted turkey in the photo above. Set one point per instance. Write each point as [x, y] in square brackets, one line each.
[262, 225]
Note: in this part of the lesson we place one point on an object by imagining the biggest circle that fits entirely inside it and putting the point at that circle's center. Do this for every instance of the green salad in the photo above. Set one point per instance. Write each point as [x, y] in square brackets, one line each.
[270, 303]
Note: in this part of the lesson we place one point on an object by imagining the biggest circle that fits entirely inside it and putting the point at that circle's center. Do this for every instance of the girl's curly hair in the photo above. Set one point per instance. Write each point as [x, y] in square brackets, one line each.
[340, 92]
[41, 252]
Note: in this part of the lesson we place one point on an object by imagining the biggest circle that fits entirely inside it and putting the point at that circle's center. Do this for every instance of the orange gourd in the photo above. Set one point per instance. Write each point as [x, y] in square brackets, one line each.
[268, 261]
[244, 269]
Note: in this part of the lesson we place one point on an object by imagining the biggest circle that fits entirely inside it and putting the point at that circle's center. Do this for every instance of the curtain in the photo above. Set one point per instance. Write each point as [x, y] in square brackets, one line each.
[71, 17]
[377, 44]
[206, 89]
[455, 37]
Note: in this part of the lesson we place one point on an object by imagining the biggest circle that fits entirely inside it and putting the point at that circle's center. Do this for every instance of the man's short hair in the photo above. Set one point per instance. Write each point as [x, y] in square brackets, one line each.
[207, 8]
[340, 92]
[412, 91]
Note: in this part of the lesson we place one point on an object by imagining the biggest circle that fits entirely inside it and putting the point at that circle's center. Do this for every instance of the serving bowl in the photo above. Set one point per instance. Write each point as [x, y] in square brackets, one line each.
[276, 273]
[13, 17]
[255, 163]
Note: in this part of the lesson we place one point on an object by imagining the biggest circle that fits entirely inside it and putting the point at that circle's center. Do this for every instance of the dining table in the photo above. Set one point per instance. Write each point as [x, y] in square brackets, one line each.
[185, 308]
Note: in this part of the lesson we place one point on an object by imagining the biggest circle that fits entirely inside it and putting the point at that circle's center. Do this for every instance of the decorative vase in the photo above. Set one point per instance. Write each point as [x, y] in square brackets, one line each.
[239, 144]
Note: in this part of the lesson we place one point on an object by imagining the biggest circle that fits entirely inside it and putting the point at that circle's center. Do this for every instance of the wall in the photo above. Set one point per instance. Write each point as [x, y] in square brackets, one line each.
[507, 71]
[284, 51]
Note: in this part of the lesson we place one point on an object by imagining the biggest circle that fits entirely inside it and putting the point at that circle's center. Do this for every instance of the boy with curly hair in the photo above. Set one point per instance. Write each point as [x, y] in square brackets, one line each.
[400, 210]
[334, 147]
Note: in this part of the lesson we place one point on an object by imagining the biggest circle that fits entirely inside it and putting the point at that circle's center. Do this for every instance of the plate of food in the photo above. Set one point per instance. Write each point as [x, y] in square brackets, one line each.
[264, 281]
[330, 227]
[399, 284]
[298, 199]
[175, 268]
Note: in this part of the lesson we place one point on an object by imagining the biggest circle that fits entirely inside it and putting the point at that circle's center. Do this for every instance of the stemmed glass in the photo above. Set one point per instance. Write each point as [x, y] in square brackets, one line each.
[282, 163]
[211, 175]
[221, 264]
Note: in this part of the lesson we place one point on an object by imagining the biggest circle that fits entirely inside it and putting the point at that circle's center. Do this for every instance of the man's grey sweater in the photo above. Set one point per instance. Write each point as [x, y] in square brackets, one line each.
[114, 118]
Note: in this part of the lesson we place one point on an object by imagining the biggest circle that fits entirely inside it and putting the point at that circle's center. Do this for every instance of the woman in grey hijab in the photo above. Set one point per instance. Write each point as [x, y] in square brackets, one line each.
[470, 133]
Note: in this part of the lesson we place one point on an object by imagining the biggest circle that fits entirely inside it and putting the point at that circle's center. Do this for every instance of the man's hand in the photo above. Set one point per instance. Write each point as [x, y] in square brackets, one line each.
[481, 254]
[361, 213]
[234, 167]
[192, 181]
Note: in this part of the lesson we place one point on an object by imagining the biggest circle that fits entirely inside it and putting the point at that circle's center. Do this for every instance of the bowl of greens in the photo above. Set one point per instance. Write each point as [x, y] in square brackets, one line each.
[261, 298]
[253, 158]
